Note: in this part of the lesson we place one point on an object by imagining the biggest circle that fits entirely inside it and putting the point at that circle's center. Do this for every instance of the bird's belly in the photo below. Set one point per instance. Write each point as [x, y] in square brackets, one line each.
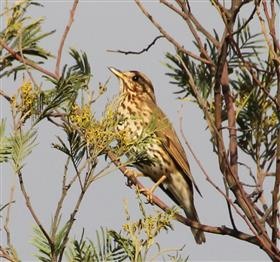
[160, 162]
[133, 128]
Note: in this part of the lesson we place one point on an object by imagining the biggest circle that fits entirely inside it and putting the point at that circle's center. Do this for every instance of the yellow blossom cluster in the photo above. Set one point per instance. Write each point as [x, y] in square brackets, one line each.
[28, 96]
[13, 24]
[151, 225]
[81, 116]
[13, 28]
[102, 134]
[97, 134]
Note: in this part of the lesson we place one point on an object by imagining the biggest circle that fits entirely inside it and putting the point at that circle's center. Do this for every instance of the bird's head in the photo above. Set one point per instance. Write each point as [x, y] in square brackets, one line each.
[135, 83]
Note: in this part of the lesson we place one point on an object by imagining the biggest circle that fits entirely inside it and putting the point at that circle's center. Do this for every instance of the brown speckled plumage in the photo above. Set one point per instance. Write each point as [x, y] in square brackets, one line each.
[138, 107]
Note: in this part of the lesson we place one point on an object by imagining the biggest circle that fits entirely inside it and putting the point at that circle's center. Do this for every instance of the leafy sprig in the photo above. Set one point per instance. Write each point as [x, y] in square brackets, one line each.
[23, 34]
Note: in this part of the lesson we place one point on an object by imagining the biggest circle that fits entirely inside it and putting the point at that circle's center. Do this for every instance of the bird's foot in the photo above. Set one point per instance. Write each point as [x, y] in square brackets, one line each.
[148, 192]
[132, 174]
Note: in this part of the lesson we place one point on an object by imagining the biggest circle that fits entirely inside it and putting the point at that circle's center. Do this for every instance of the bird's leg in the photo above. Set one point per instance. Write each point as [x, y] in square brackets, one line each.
[131, 173]
[149, 192]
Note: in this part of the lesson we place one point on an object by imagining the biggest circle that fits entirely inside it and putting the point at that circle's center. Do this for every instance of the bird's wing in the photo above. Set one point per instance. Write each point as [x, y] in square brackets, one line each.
[171, 143]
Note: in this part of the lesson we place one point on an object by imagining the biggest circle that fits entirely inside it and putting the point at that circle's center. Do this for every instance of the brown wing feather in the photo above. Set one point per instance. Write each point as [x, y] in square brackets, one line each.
[173, 146]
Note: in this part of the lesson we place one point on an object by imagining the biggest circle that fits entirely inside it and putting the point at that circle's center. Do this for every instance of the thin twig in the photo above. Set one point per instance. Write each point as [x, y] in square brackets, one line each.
[8, 214]
[231, 115]
[70, 223]
[18, 57]
[7, 97]
[199, 27]
[191, 27]
[64, 36]
[5, 254]
[24, 60]
[6, 205]
[31, 210]
[64, 191]
[72, 217]
[274, 49]
[248, 66]
[136, 52]
[208, 179]
[246, 22]
[168, 36]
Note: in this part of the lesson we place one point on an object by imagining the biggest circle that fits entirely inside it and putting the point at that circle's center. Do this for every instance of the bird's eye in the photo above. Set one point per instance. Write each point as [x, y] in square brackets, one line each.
[135, 78]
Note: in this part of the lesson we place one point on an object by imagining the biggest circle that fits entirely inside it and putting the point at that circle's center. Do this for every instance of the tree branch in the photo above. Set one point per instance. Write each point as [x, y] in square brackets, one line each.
[222, 230]
[8, 213]
[26, 61]
[191, 27]
[167, 36]
[64, 36]
[274, 49]
[237, 189]
[31, 210]
[5, 254]
[136, 52]
[229, 169]
[201, 29]
[8, 98]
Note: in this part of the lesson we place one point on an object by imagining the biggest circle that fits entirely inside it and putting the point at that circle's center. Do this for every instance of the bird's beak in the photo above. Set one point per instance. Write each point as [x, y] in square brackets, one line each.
[116, 72]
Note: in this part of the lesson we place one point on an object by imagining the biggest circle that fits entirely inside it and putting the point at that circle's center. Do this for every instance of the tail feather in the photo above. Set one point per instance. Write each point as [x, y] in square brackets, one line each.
[181, 192]
[198, 234]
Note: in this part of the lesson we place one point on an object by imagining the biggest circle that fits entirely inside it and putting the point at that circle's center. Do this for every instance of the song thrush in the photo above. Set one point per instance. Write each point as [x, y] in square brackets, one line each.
[170, 169]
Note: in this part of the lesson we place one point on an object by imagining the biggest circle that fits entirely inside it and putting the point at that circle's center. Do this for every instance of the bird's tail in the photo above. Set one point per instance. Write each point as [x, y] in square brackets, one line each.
[199, 235]
[184, 199]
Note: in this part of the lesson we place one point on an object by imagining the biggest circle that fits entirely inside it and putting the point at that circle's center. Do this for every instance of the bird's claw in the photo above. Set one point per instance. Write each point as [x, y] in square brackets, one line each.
[149, 195]
[129, 182]
[133, 175]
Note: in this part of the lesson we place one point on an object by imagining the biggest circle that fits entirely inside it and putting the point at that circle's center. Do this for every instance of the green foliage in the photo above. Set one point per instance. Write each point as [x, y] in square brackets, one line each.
[66, 90]
[76, 148]
[22, 144]
[201, 73]
[134, 243]
[46, 252]
[105, 249]
[5, 147]
[23, 35]
[139, 236]
[256, 114]
[250, 45]
[257, 118]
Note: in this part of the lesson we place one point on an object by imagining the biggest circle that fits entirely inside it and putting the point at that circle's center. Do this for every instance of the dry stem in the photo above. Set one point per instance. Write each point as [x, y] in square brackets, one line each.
[168, 36]
[64, 36]
[136, 52]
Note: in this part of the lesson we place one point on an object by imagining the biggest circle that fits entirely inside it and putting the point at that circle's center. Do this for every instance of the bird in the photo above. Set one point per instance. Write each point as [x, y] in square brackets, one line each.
[169, 168]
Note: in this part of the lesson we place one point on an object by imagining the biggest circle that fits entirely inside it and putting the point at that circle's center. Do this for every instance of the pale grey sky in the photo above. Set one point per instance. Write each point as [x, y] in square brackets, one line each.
[98, 26]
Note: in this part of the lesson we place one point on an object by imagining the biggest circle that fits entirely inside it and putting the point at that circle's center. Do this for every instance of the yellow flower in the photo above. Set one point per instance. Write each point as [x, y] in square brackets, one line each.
[81, 116]
[28, 97]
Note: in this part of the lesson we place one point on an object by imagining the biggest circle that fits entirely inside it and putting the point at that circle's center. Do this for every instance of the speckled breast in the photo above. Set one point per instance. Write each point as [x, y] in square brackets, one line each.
[134, 119]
